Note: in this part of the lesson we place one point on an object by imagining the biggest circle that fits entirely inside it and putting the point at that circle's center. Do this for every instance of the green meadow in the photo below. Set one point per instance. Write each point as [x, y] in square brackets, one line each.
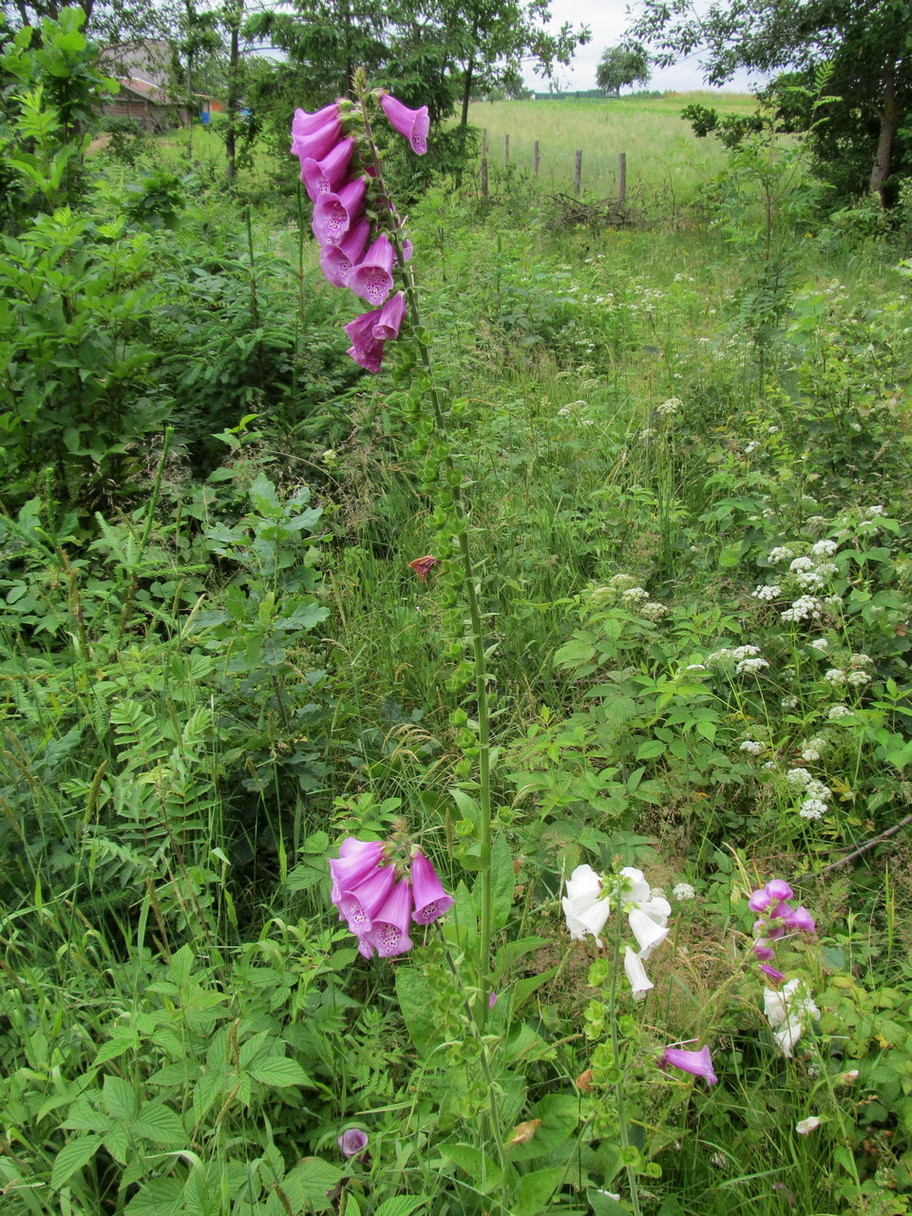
[643, 706]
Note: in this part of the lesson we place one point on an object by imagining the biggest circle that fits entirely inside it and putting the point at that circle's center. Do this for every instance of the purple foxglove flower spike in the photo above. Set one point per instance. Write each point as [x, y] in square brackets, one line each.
[779, 889]
[387, 327]
[372, 278]
[389, 932]
[324, 176]
[759, 900]
[413, 124]
[698, 1063]
[431, 900]
[338, 261]
[352, 1142]
[334, 214]
[764, 952]
[318, 143]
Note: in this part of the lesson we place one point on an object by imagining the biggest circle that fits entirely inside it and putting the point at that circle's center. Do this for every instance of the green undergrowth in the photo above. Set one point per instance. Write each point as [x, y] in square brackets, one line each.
[685, 450]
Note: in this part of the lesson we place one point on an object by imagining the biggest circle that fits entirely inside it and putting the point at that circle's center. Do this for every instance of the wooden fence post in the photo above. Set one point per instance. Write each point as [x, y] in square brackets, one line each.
[506, 150]
[622, 179]
[535, 161]
[484, 163]
[578, 171]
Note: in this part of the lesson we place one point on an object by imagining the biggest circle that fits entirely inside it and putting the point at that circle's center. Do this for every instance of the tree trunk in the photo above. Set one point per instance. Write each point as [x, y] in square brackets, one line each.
[466, 93]
[234, 13]
[880, 170]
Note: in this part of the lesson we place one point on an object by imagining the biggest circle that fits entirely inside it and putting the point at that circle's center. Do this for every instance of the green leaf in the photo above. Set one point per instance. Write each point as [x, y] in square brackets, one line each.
[603, 1205]
[278, 1072]
[120, 1099]
[650, 749]
[161, 1125]
[72, 1157]
[310, 1182]
[484, 1172]
[400, 1205]
[535, 1191]
[158, 1197]
[417, 1001]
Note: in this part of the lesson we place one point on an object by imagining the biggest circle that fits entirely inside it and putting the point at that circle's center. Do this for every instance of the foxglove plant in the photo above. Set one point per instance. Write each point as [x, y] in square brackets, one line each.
[697, 1063]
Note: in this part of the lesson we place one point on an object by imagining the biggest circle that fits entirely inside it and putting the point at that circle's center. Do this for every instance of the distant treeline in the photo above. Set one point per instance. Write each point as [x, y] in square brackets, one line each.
[592, 95]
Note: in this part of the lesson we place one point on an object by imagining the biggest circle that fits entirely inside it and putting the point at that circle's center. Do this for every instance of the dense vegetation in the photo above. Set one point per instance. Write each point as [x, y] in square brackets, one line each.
[661, 455]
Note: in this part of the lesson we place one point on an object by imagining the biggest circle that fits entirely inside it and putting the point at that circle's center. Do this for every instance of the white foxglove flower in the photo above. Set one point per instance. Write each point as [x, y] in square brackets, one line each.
[585, 907]
[640, 982]
[787, 1010]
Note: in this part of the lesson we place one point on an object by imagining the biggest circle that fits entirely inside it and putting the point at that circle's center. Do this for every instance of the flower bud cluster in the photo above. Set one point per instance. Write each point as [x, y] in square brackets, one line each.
[378, 902]
[354, 253]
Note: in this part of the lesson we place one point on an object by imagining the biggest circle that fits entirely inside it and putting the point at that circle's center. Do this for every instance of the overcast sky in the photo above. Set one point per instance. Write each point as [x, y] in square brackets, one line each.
[608, 19]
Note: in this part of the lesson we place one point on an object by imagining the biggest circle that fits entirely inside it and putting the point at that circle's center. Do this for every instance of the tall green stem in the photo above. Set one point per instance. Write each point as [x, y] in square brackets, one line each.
[470, 585]
[619, 1083]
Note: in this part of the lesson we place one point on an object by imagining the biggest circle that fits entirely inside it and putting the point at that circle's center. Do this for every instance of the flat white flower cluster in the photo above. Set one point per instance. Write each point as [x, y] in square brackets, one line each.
[669, 407]
[753, 747]
[767, 592]
[803, 608]
[683, 891]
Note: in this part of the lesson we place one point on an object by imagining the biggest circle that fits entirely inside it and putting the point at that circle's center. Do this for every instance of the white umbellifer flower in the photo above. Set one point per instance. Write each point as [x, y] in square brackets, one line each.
[824, 548]
[861, 660]
[695, 667]
[635, 593]
[820, 644]
[799, 777]
[876, 510]
[669, 407]
[720, 656]
[817, 742]
[750, 666]
[813, 808]
[781, 553]
[858, 677]
[745, 652]
[835, 675]
[682, 891]
[803, 607]
[816, 789]
[801, 563]
[832, 601]
[810, 754]
[787, 1010]
[808, 1125]
[767, 591]
[753, 746]
[810, 580]
[654, 611]
[789, 702]
[769, 766]
[839, 712]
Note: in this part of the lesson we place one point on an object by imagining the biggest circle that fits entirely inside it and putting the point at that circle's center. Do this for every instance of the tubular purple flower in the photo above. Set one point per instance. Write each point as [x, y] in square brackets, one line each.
[797, 918]
[318, 143]
[698, 1063]
[431, 900]
[334, 214]
[413, 124]
[776, 976]
[360, 901]
[305, 124]
[387, 327]
[352, 1142]
[389, 931]
[372, 278]
[356, 860]
[779, 889]
[763, 951]
[324, 176]
[369, 356]
[338, 261]
[760, 900]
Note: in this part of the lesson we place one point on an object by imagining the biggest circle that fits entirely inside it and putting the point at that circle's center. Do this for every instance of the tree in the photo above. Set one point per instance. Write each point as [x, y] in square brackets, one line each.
[620, 66]
[867, 43]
